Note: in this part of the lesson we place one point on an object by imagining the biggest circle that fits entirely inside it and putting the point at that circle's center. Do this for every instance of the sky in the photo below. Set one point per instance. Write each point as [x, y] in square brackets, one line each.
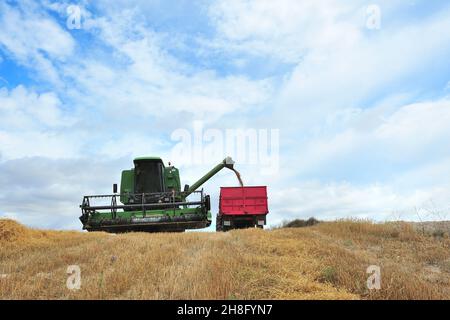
[350, 100]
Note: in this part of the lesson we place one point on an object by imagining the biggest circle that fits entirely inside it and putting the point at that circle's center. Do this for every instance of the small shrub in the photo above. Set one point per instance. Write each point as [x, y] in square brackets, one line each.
[438, 234]
[328, 274]
[348, 243]
[299, 223]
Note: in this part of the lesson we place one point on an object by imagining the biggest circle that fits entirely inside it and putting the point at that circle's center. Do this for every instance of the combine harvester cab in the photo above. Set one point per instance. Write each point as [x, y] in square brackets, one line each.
[151, 200]
[242, 207]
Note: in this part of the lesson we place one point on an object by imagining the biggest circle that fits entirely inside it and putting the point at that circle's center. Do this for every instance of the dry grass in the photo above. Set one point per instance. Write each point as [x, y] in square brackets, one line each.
[326, 261]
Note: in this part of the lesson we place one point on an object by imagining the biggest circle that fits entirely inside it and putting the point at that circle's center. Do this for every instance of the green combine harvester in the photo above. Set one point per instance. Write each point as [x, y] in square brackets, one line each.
[151, 200]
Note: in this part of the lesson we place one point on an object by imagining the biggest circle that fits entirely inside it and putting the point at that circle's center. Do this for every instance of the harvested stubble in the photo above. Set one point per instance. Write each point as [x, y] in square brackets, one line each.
[326, 261]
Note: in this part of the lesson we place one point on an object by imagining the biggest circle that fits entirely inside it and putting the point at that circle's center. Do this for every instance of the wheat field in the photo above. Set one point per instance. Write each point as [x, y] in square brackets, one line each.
[325, 261]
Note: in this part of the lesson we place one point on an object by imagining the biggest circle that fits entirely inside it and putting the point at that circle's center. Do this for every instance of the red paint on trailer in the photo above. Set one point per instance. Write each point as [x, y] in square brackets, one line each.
[243, 200]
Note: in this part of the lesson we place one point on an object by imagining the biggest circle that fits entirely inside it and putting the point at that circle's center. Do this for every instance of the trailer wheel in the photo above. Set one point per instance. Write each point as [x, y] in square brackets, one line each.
[219, 223]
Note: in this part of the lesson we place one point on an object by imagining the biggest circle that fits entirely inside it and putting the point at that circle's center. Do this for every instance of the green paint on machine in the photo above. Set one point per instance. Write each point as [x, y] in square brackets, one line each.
[151, 200]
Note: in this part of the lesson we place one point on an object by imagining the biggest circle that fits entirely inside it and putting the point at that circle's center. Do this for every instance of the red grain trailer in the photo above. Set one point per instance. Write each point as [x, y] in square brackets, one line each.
[242, 207]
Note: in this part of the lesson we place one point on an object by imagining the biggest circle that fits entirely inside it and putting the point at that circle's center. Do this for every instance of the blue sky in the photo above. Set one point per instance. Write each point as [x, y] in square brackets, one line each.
[363, 113]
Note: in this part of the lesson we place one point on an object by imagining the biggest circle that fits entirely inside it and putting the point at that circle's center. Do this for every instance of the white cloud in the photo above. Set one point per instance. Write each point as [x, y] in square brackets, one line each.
[23, 109]
[410, 133]
[349, 75]
[34, 39]
[47, 193]
[426, 175]
[144, 78]
[286, 29]
[33, 124]
[339, 64]
[416, 126]
[344, 200]
[24, 33]
[131, 146]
